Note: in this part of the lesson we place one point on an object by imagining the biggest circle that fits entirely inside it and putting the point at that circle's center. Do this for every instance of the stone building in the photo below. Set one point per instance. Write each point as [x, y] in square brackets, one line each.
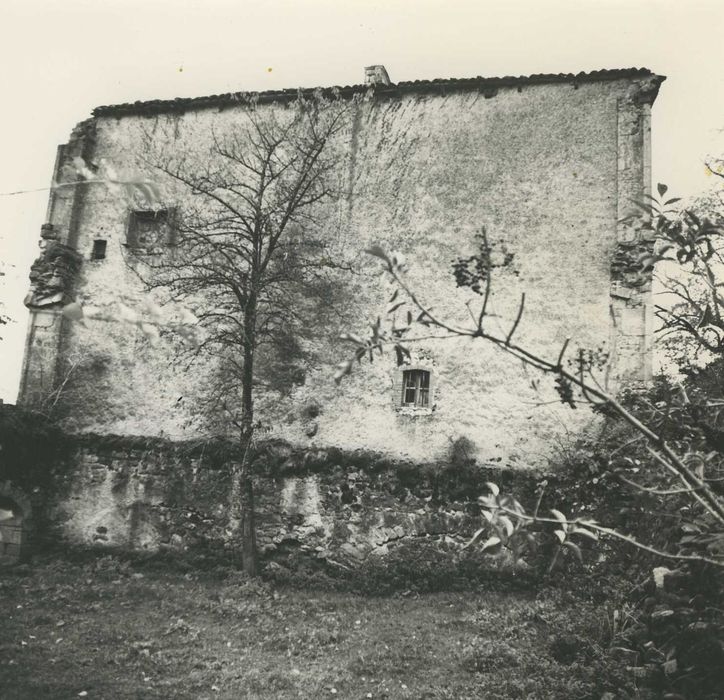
[550, 165]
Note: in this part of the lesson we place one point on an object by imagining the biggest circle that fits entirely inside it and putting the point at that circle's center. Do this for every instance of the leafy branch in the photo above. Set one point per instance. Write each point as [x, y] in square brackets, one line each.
[571, 378]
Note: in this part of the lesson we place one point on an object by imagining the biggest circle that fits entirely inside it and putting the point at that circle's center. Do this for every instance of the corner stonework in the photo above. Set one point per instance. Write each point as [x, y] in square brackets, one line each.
[54, 273]
[630, 294]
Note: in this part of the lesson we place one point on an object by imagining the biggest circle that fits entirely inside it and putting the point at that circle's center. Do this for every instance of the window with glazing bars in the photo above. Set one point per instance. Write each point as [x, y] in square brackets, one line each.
[416, 388]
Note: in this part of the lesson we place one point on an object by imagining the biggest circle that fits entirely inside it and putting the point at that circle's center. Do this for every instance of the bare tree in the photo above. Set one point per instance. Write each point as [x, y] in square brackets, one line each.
[246, 259]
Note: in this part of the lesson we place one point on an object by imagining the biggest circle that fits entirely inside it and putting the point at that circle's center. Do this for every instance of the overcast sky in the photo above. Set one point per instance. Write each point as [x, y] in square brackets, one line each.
[60, 59]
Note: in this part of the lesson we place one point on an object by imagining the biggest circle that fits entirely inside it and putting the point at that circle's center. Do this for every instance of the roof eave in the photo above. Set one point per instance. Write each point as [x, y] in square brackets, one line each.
[437, 86]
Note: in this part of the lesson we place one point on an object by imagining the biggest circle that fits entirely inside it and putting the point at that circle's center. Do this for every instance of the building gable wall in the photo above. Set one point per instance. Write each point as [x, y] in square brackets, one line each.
[549, 170]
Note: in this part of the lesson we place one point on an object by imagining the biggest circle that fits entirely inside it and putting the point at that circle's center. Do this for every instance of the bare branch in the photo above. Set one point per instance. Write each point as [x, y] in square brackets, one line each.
[517, 319]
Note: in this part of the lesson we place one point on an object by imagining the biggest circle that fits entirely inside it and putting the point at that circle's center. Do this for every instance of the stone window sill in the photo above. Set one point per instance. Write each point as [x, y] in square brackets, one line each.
[414, 411]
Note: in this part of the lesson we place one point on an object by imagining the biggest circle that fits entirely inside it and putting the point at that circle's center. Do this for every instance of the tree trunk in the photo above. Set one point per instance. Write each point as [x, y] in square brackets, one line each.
[249, 558]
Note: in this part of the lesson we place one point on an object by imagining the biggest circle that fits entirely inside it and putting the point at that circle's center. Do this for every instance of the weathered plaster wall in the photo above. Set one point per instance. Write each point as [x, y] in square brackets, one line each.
[548, 169]
[339, 507]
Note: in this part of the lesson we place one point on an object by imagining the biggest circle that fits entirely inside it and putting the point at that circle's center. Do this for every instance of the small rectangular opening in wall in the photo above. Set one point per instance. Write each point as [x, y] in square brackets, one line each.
[416, 388]
[99, 249]
[150, 231]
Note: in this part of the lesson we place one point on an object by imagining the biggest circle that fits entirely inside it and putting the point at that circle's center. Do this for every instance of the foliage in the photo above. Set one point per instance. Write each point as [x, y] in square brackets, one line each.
[429, 566]
[669, 472]
[669, 452]
[688, 256]
[668, 628]
[32, 458]
[508, 525]
[29, 445]
[673, 636]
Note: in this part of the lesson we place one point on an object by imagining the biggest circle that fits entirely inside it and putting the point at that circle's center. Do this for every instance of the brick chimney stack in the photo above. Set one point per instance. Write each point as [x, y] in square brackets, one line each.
[376, 75]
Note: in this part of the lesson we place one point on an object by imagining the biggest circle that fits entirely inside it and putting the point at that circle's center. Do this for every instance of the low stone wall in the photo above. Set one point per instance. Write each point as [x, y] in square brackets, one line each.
[150, 494]
[138, 494]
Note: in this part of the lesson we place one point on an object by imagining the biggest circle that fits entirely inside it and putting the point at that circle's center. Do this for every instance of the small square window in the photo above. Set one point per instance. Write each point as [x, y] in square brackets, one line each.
[149, 231]
[99, 249]
[416, 388]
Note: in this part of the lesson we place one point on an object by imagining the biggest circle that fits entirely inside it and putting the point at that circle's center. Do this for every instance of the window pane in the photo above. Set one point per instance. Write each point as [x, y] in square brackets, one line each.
[416, 387]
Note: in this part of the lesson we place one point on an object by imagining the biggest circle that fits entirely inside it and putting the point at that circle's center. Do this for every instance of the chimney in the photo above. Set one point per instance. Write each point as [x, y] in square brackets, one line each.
[376, 75]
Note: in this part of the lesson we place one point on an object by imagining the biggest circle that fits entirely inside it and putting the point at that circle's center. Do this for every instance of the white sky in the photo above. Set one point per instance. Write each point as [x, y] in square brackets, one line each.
[60, 59]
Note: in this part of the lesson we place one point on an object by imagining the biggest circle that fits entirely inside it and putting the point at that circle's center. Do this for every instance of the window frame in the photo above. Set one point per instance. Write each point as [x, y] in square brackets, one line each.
[416, 381]
[422, 373]
[164, 217]
[100, 249]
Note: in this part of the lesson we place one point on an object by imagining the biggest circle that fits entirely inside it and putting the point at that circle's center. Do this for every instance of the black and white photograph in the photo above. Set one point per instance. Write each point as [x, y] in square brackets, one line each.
[362, 350]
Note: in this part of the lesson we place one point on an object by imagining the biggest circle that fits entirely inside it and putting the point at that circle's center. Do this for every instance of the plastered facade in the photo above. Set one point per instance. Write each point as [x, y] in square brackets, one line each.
[548, 167]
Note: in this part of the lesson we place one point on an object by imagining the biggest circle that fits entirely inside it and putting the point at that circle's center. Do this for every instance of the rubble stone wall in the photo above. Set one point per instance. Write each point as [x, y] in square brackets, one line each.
[342, 508]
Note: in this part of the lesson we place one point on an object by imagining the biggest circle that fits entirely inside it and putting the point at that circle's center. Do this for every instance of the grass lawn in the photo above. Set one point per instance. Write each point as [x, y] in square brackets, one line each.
[104, 629]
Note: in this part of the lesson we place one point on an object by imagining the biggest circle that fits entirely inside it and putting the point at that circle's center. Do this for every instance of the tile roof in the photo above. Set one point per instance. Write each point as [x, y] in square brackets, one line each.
[437, 86]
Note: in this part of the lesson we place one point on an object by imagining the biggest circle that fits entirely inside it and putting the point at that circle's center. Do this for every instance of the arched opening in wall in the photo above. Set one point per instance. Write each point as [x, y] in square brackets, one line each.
[12, 530]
